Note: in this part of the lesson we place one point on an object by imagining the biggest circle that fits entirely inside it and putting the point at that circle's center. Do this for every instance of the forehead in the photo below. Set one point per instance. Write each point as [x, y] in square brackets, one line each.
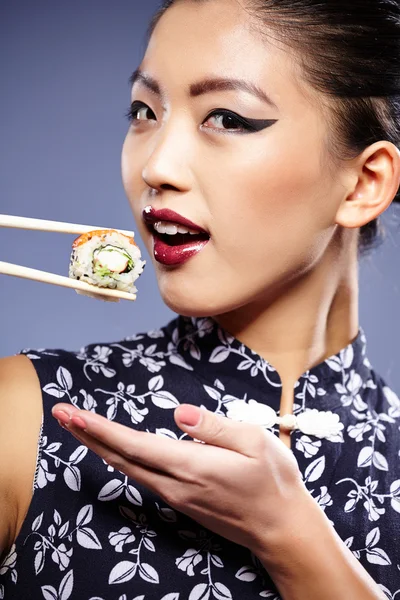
[193, 40]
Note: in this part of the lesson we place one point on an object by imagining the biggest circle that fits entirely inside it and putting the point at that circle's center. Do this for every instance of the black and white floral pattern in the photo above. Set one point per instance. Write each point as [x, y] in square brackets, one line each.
[91, 533]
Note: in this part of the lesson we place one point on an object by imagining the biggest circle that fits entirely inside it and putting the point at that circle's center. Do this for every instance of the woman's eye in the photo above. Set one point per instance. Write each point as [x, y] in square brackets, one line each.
[140, 112]
[227, 121]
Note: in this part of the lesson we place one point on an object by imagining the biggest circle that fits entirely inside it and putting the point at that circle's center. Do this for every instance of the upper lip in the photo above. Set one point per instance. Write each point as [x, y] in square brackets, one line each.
[166, 214]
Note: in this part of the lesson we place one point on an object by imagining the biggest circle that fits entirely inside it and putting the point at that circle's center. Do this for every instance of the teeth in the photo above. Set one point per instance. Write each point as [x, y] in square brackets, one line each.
[165, 227]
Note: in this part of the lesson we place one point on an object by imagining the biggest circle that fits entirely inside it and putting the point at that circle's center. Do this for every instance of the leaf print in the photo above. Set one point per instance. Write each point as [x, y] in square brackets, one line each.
[217, 561]
[245, 364]
[66, 586]
[173, 596]
[394, 402]
[64, 378]
[85, 515]
[246, 574]
[63, 530]
[112, 412]
[386, 591]
[156, 383]
[87, 538]
[120, 538]
[177, 360]
[53, 390]
[166, 514]
[53, 447]
[315, 470]
[78, 455]
[148, 573]
[43, 474]
[167, 433]
[52, 531]
[377, 556]
[269, 594]
[111, 490]
[349, 541]
[37, 522]
[365, 457]
[49, 593]
[351, 504]
[395, 504]
[149, 545]
[334, 363]
[136, 414]
[200, 592]
[89, 403]
[57, 517]
[133, 495]
[189, 561]
[308, 446]
[39, 562]
[373, 537]
[164, 399]
[379, 461]
[72, 477]
[221, 592]
[61, 556]
[219, 354]
[122, 572]
[214, 394]
[374, 513]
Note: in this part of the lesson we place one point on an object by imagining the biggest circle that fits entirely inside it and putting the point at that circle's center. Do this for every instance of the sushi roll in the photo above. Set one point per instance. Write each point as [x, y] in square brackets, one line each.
[106, 258]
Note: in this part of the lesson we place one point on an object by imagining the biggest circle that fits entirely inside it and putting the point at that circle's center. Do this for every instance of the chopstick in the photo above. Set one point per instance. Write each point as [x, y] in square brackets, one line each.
[56, 226]
[79, 286]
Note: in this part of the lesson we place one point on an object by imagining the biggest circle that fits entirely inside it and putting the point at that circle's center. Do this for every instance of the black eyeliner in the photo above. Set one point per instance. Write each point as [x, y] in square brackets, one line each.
[249, 124]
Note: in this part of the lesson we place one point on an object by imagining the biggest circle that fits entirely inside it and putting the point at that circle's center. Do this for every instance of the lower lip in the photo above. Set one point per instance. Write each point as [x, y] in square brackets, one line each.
[175, 255]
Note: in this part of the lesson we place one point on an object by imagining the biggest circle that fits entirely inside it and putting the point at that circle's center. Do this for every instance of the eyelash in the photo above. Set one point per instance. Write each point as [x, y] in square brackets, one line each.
[246, 126]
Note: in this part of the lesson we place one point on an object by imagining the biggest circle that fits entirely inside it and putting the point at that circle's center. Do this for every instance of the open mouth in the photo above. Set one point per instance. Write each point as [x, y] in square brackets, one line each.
[173, 234]
[175, 238]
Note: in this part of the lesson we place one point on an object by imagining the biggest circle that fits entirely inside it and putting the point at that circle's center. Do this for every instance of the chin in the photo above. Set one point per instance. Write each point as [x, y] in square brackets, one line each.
[197, 301]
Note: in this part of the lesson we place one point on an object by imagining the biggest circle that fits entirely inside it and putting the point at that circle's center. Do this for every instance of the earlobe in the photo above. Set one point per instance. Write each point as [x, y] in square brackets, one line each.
[378, 179]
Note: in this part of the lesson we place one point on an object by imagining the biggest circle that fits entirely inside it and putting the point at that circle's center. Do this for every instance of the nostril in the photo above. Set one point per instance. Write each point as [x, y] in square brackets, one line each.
[168, 186]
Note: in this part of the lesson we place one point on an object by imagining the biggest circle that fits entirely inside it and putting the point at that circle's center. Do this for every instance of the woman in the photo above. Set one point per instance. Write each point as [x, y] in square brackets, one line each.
[268, 131]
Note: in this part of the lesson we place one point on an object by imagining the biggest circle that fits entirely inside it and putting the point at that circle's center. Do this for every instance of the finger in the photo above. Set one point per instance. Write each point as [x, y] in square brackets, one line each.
[206, 426]
[156, 452]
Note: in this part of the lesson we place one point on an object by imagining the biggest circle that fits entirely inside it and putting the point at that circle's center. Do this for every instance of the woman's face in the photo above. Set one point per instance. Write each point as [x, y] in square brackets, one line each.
[264, 193]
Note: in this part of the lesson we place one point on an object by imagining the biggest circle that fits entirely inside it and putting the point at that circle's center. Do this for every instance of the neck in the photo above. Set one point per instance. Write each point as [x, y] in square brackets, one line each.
[314, 318]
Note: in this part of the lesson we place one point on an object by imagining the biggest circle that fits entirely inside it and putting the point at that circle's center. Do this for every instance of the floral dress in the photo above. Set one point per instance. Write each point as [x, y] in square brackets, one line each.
[93, 534]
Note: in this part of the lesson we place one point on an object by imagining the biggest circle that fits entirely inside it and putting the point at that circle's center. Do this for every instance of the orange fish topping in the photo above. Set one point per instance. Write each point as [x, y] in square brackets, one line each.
[86, 237]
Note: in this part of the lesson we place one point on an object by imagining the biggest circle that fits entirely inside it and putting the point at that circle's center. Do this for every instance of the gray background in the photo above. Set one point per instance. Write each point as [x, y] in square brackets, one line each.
[64, 69]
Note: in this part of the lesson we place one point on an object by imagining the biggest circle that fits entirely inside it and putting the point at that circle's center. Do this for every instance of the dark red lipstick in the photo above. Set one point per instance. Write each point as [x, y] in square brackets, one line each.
[174, 249]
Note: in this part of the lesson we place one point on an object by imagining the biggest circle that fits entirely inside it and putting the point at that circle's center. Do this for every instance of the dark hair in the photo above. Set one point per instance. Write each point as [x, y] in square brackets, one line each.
[349, 51]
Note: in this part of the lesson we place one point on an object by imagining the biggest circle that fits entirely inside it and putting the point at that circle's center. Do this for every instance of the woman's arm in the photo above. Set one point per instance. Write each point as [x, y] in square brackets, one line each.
[309, 561]
[20, 420]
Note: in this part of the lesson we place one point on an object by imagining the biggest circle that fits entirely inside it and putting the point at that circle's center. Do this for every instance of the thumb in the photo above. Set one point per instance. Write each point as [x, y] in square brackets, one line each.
[216, 430]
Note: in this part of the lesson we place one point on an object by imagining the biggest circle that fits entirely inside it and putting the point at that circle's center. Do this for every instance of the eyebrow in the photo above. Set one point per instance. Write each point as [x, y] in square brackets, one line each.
[214, 84]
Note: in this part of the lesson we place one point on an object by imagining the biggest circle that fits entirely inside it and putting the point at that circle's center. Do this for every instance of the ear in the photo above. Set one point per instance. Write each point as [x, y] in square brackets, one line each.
[375, 175]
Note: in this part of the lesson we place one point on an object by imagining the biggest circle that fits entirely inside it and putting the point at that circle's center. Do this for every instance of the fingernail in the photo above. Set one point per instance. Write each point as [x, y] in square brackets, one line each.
[189, 415]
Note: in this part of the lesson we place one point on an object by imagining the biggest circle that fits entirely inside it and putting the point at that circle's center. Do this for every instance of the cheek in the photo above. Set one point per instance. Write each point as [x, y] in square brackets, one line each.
[272, 205]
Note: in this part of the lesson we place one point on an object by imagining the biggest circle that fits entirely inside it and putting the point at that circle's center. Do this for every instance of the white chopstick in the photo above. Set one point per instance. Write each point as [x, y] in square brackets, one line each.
[56, 226]
[80, 286]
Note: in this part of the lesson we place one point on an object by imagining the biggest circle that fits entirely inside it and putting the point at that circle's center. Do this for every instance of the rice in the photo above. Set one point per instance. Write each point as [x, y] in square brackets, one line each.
[106, 258]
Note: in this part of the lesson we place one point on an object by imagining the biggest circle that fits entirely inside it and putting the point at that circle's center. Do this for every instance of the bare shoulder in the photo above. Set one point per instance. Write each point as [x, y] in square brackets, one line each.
[20, 420]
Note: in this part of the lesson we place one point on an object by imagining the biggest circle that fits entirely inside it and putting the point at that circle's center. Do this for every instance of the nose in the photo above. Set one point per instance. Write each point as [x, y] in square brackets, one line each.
[167, 166]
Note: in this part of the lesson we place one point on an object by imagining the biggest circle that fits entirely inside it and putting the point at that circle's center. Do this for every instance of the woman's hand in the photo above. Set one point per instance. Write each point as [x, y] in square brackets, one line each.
[242, 483]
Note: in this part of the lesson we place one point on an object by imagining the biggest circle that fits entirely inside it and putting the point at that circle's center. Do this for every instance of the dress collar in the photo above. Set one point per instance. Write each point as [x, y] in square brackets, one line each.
[216, 356]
